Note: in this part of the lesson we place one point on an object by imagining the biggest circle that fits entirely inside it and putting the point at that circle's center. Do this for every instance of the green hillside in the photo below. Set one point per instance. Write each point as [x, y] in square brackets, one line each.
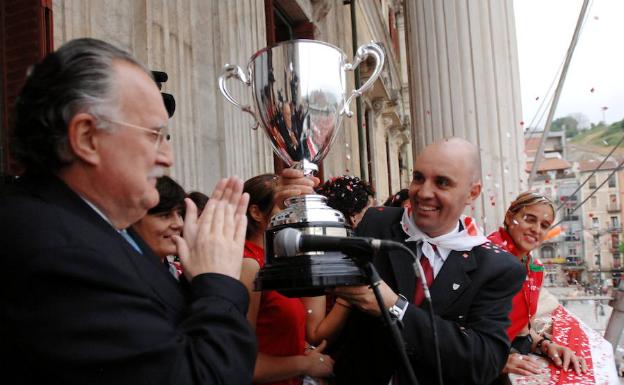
[601, 135]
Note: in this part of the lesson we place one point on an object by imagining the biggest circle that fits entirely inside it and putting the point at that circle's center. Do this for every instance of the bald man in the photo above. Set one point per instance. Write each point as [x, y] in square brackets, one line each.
[471, 289]
[472, 284]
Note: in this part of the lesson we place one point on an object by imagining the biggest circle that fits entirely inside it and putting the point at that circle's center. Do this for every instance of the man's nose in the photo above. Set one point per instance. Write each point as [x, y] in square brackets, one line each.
[165, 154]
[425, 190]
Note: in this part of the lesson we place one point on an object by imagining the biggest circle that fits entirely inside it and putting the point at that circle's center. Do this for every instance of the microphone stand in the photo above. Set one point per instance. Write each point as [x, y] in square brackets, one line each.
[372, 274]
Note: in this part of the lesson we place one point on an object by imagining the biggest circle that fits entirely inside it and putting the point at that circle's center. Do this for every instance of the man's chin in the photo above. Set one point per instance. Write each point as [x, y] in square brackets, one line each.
[150, 200]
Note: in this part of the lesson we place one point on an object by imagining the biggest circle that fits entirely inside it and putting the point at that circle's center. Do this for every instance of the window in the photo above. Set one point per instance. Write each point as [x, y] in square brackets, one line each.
[615, 222]
[572, 251]
[26, 36]
[592, 181]
[548, 252]
[593, 202]
[595, 223]
[612, 181]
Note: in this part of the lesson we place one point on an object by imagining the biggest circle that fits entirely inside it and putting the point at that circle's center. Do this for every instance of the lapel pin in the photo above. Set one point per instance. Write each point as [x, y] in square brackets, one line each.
[455, 286]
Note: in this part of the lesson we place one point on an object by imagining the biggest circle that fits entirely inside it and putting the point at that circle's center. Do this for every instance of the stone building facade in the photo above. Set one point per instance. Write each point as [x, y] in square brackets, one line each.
[451, 70]
[191, 40]
[602, 215]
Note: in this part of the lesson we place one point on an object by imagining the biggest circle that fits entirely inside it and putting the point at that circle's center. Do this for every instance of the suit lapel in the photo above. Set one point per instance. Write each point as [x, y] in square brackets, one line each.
[147, 265]
[154, 273]
[452, 280]
[402, 264]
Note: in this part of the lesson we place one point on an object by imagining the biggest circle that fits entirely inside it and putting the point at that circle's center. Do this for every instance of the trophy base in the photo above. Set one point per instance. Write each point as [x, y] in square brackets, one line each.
[309, 275]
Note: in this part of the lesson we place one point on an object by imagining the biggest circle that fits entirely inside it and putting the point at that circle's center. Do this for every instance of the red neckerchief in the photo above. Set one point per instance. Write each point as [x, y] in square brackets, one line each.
[507, 243]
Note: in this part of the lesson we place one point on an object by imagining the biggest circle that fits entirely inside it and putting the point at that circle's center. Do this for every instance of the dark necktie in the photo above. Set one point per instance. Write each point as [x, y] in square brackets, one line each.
[419, 293]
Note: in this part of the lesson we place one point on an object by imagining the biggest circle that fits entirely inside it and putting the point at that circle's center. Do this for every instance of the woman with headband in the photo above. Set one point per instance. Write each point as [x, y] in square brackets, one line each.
[527, 221]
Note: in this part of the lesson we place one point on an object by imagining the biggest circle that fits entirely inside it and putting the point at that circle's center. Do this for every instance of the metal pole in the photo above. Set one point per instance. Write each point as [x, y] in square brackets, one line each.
[553, 106]
[616, 320]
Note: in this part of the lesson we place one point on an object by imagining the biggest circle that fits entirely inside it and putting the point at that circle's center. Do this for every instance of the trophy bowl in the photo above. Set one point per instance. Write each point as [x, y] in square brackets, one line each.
[299, 94]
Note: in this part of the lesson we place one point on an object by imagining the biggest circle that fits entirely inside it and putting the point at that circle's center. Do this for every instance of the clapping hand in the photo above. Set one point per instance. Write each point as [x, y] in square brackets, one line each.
[214, 241]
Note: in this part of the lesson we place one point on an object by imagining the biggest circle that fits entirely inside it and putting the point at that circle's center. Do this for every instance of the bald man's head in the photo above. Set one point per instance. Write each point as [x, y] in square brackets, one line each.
[447, 178]
[460, 148]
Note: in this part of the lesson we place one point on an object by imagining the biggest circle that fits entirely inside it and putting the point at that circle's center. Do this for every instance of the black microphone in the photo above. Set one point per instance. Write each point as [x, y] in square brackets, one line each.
[290, 242]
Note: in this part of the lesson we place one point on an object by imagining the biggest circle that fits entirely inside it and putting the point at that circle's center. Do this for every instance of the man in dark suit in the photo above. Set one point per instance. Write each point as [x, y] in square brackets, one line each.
[83, 300]
[472, 282]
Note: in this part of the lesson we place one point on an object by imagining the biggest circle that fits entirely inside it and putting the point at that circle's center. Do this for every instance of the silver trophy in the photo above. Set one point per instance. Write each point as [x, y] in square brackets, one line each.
[299, 95]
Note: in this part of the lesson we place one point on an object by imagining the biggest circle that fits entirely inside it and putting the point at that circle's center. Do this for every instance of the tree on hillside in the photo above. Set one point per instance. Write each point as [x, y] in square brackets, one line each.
[567, 123]
[582, 119]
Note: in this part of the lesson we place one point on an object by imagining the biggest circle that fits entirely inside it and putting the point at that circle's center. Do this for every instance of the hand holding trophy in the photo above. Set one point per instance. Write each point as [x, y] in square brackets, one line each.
[299, 94]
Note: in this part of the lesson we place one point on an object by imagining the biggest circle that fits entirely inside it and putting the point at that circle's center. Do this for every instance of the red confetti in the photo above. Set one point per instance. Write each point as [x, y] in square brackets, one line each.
[537, 98]
[592, 89]
[522, 123]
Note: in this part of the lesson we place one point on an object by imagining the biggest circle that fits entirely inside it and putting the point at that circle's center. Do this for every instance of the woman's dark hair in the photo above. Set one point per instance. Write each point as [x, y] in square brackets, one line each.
[261, 190]
[347, 194]
[171, 196]
[397, 199]
[200, 199]
[78, 77]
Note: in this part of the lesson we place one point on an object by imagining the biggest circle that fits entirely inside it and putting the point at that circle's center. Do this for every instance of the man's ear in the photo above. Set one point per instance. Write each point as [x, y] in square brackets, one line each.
[81, 134]
[475, 191]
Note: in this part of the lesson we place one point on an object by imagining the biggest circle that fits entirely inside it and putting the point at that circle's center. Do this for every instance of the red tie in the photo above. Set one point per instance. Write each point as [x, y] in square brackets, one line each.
[419, 293]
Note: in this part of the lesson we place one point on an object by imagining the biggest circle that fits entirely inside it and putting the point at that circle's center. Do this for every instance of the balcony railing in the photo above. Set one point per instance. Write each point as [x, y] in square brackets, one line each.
[570, 218]
[613, 207]
[568, 198]
[577, 260]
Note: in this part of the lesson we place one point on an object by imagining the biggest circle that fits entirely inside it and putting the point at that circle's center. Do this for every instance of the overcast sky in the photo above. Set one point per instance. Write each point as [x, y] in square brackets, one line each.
[544, 31]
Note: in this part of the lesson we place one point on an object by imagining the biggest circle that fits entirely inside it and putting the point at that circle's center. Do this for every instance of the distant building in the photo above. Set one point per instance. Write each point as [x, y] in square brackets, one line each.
[602, 214]
[555, 179]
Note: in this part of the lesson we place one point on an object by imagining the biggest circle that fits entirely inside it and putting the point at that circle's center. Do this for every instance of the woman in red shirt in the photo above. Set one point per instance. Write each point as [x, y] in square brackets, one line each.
[527, 221]
[279, 321]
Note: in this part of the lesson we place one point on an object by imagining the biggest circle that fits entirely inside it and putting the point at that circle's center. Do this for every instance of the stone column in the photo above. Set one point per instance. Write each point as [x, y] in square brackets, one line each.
[464, 81]
[191, 40]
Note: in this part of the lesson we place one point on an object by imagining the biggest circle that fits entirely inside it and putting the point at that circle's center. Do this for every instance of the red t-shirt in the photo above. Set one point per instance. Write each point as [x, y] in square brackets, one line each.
[280, 325]
[524, 303]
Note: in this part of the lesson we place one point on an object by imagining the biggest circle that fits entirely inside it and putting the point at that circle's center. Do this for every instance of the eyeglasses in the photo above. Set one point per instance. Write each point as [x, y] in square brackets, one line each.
[159, 133]
[533, 221]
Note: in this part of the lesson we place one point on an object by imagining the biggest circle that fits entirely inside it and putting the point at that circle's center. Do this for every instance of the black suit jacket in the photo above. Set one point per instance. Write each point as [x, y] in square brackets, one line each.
[81, 306]
[471, 298]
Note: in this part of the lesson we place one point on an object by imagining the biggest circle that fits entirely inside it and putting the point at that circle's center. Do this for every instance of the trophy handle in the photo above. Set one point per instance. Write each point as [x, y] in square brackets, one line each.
[234, 71]
[371, 49]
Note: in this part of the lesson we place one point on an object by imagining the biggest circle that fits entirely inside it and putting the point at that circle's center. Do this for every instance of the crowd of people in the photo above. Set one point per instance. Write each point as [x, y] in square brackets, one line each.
[116, 275]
